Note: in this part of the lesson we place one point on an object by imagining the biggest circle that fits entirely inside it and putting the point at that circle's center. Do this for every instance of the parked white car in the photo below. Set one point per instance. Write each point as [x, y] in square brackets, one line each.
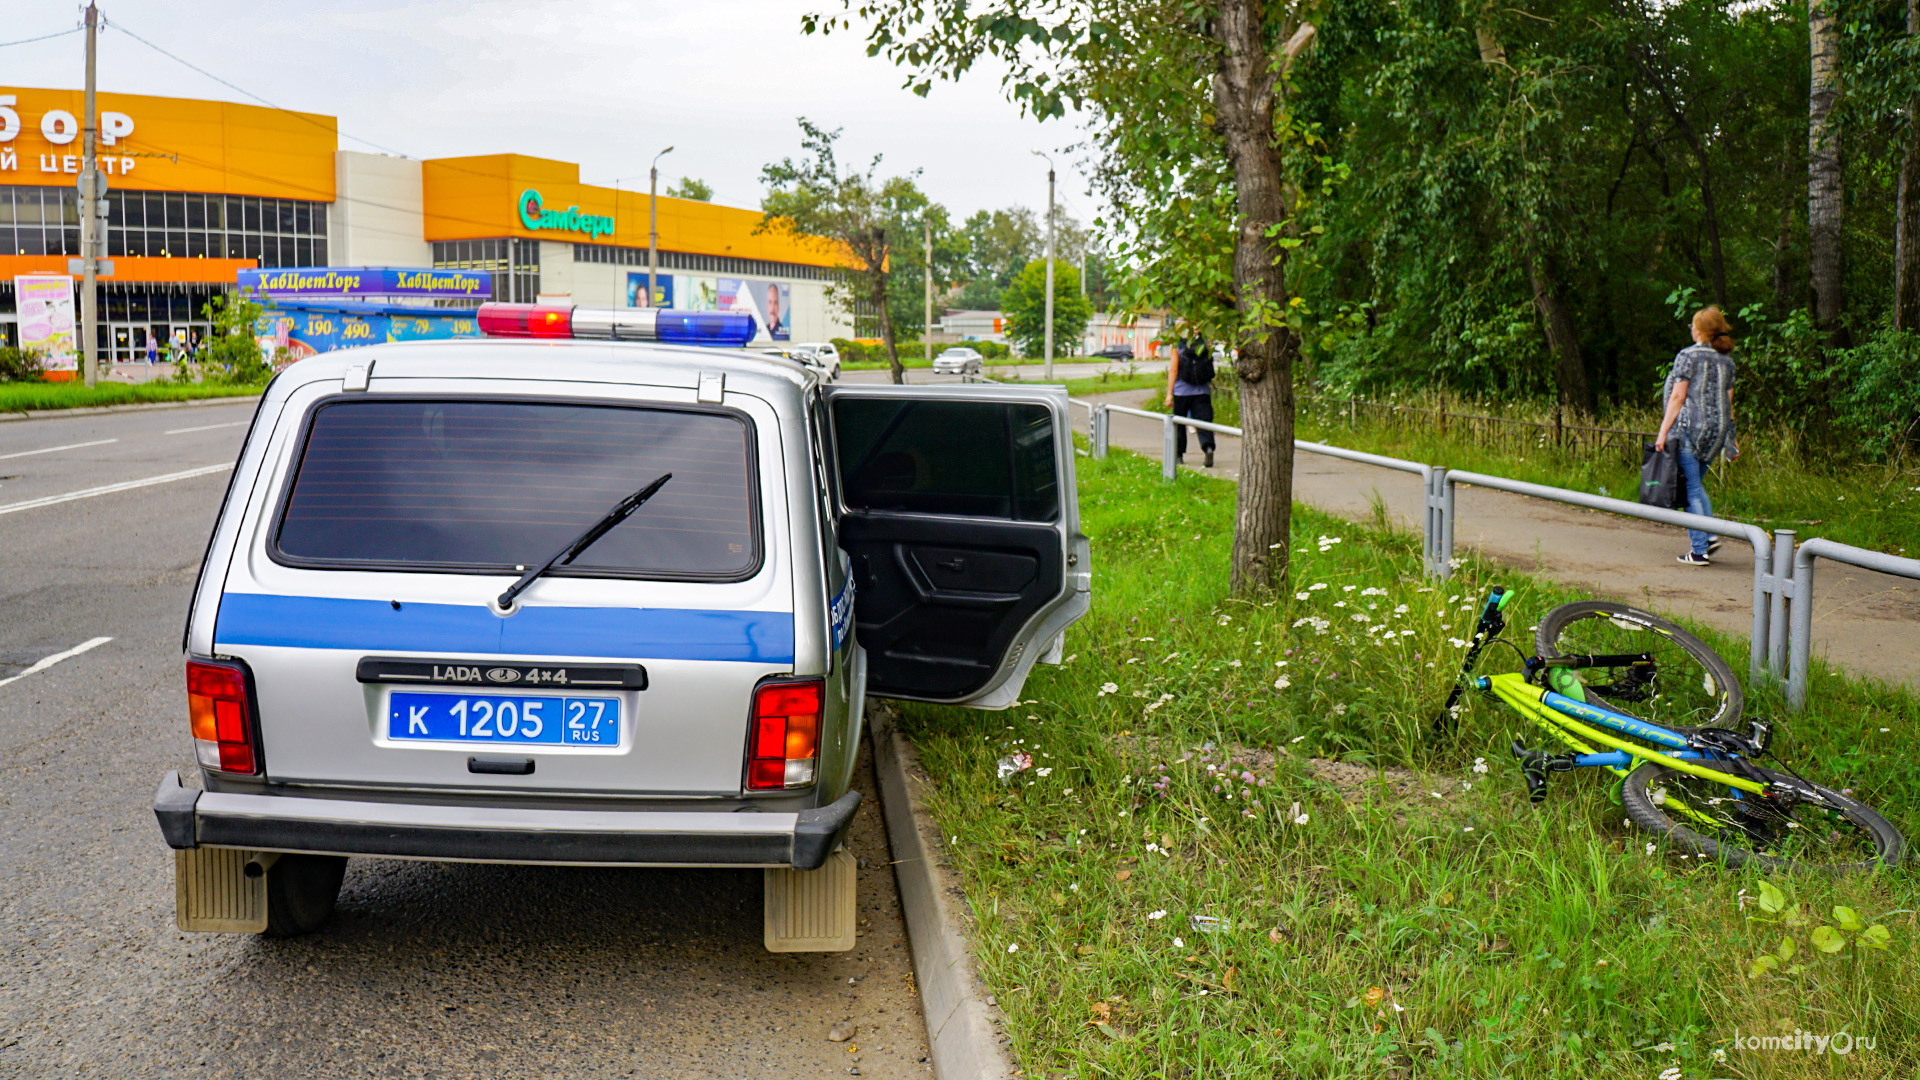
[959, 360]
[820, 354]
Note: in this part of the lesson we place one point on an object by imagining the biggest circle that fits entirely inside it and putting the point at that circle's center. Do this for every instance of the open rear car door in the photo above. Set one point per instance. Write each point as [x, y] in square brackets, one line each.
[958, 510]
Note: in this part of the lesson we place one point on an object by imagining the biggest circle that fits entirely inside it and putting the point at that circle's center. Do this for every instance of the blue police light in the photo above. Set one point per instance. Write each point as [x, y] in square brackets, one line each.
[731, 329]
[715, 329]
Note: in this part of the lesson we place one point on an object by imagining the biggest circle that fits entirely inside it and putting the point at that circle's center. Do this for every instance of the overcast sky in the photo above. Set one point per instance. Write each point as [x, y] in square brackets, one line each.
[605, 83]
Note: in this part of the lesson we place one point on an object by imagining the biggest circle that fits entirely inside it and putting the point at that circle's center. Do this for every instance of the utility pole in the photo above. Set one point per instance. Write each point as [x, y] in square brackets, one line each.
[926, 335]
[1049, 367]
[90, 217]
[653, 223]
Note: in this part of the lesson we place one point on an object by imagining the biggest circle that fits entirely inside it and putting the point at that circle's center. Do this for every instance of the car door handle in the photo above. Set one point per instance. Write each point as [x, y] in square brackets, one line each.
[929, 593]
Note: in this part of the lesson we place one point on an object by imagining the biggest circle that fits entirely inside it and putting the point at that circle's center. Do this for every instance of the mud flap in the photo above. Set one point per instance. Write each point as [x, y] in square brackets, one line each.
[808, 910]
[221, 890]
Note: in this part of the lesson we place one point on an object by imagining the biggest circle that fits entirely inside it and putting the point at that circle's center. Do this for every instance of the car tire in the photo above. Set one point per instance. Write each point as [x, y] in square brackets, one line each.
[301, 890]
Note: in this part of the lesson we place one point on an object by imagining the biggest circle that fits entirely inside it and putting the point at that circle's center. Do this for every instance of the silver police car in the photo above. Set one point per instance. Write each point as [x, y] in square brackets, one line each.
[594, 593]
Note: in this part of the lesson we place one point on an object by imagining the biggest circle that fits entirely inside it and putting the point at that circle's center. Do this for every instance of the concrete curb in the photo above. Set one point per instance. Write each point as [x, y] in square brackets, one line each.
[144, 406]
[963, 1040]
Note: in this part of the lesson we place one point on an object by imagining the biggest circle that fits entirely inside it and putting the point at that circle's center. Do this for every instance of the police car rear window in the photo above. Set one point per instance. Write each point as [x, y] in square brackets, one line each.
[485, 486]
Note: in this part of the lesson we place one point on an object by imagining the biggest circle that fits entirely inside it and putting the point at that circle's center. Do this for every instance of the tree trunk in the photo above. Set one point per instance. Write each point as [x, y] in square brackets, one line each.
[1243, 94]
[1906, 213]
[877, 279]
[1823, 167]
[1569, 367]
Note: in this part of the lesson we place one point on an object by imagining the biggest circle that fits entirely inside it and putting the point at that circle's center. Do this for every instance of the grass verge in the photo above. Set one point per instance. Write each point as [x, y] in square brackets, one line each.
[1235, 856]
[35, 396]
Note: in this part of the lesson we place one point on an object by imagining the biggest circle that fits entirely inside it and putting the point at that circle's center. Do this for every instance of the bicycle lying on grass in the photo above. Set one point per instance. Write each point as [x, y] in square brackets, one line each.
[1634, 694]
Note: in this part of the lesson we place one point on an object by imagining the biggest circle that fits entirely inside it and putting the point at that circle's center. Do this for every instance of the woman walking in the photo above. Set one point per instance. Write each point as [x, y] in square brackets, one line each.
[1699, 396]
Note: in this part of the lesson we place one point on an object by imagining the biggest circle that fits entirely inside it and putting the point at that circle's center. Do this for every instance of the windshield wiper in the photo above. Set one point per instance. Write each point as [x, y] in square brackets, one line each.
[620, 512]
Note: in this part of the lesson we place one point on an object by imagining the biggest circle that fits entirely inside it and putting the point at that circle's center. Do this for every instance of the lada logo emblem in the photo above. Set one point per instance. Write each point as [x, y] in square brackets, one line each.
[502, 675]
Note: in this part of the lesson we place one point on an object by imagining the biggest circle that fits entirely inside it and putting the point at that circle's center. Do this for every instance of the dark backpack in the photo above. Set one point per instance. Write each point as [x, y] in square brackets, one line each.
[1196, 364]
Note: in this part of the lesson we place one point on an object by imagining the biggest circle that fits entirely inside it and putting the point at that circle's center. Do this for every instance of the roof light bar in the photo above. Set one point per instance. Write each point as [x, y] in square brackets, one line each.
[723, 329]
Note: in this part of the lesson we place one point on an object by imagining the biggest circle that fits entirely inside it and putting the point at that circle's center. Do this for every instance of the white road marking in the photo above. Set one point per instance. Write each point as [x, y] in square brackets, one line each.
[109, 489]
[207, 427]
[46, 662]
[52, 449]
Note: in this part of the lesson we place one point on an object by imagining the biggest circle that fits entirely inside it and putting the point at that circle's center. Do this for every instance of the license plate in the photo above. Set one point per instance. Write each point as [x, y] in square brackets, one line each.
[517, 719]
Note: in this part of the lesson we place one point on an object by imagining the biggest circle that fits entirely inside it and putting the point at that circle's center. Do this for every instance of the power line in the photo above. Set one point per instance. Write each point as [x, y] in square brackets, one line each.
[242, 90]
[42, 37]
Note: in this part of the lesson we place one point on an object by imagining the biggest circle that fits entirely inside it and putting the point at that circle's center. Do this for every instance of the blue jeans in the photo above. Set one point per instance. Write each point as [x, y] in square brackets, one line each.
[1697, 503]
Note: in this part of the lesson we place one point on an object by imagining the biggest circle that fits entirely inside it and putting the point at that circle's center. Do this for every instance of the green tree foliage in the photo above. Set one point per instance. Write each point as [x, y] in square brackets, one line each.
[689, 187]
[231, 354]
[1025, 303]
[812, 199]
[1198, 152]
[1495, 199]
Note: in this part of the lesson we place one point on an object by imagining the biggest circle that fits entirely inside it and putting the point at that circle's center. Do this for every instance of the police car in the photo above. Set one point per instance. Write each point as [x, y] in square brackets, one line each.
[593, 592]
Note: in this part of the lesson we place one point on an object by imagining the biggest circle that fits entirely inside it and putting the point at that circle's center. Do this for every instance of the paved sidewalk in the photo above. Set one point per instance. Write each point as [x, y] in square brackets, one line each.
[1865, 621]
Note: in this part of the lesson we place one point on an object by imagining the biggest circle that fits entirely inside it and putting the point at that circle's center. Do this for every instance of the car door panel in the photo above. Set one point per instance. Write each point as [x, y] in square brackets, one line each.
[958, 515]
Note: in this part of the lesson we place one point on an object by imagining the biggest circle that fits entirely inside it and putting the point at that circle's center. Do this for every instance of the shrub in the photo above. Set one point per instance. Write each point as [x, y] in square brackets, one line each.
[20, 365]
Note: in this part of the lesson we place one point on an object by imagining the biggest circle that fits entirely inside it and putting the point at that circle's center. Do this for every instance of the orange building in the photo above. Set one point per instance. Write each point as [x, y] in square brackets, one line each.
[199, 190]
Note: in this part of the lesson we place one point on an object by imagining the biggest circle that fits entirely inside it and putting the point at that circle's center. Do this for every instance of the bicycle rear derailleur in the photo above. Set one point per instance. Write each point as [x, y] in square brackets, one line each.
[1536, 764]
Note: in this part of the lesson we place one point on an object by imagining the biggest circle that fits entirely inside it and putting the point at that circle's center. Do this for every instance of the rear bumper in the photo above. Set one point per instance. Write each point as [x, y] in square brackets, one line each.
[802, 840]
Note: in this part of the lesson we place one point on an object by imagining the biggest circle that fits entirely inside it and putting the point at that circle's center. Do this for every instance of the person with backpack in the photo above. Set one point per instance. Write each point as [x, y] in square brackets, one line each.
[1190, 392]
[1699, 414]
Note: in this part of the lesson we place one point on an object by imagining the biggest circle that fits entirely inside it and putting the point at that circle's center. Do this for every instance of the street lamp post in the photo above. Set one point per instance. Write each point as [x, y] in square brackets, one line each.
[1049, 353]
[653, 222]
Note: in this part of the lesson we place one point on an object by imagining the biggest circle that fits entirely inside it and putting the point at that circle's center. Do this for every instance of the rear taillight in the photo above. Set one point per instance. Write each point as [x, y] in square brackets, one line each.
[221, 712]
[785, 745]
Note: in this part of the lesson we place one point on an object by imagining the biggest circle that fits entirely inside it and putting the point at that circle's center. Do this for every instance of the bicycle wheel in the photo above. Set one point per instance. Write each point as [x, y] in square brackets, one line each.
[1641, 665]
[1837, 834]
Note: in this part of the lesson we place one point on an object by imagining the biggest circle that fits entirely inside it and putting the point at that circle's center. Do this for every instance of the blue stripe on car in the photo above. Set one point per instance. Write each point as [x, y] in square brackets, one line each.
[320, 622]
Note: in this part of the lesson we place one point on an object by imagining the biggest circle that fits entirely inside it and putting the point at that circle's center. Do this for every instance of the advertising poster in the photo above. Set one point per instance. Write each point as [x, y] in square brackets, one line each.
[45, 304]
[699, 293]
[304, 333]
[637, 289]
[769, 302]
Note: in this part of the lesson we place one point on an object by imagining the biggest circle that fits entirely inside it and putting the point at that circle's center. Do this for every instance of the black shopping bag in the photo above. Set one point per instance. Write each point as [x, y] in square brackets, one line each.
[1660, 481]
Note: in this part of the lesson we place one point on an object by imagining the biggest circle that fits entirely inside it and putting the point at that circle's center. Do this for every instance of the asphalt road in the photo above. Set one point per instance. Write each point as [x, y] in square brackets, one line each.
[427, 970]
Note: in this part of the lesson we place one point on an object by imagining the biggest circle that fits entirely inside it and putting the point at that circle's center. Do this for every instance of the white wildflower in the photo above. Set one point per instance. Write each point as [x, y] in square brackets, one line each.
[1301, 595]
[1155, 916]
[1316, 586]
[1108, 688]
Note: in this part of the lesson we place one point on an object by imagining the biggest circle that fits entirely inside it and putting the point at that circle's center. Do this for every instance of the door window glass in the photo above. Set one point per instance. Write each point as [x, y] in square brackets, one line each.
[966, 458]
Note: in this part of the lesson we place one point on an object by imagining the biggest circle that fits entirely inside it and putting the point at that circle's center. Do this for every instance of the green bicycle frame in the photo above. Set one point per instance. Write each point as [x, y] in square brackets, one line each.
[1532, 702]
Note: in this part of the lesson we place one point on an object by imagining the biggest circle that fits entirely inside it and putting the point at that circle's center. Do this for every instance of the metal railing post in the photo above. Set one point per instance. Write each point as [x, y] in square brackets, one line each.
[1773, 636]
[1169, 461]
[1443, 548]
[1800, 641]
[1098, 423]
[1436, 522]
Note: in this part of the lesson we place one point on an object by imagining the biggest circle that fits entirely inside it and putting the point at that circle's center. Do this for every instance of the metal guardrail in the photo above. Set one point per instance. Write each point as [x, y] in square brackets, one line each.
[1766, 584]
[1800, 596]
[1432, 558]
[1780, 642]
